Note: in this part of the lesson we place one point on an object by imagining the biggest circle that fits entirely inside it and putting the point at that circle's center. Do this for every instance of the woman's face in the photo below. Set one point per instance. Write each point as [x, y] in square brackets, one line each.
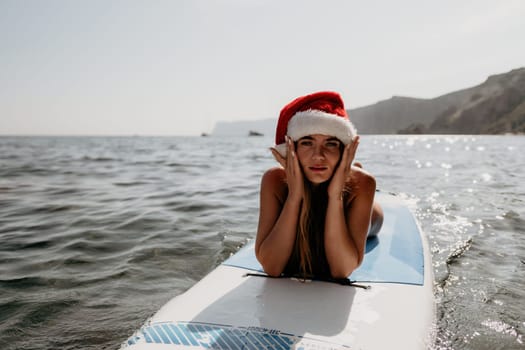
[318, 156]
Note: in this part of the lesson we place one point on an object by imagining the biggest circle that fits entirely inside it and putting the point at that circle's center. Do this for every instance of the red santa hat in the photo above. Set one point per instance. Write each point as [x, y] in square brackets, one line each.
[318, 113]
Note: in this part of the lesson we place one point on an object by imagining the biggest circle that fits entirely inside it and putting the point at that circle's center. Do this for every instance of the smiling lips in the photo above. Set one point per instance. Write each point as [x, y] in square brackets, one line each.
[318, 168]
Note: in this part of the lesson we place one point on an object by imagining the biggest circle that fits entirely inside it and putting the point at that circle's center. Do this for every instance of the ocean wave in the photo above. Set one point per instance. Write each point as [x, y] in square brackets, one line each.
[111, 228]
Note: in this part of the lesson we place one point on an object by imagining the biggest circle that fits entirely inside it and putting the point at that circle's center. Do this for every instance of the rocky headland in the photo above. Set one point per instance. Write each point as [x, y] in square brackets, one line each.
[497, 106]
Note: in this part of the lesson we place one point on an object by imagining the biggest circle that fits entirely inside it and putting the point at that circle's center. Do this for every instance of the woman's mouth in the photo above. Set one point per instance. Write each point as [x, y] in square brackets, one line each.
[318, 168]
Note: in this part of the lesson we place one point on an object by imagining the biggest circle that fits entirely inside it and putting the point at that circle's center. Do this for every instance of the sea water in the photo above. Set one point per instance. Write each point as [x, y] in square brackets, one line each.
[96, 233]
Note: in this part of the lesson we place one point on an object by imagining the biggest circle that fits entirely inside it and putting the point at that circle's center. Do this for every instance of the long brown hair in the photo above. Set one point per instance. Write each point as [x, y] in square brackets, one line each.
[309, 238]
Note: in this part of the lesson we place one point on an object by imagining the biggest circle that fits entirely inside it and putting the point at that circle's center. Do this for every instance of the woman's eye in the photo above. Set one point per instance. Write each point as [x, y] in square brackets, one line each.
[305, 143]
[332, 144]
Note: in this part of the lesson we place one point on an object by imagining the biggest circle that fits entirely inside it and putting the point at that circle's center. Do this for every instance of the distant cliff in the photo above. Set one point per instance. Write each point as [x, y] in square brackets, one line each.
[496, 106]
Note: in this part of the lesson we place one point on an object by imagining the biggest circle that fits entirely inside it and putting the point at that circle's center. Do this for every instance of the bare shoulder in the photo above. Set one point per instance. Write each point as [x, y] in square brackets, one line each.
[274, 182]
[362, 181]
[275, 174]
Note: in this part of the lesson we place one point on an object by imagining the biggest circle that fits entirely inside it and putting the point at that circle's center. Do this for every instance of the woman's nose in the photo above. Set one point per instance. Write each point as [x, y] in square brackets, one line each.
[318, 152]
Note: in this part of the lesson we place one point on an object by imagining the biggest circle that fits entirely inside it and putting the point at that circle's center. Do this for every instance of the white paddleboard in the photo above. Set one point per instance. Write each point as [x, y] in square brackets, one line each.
[229, 310]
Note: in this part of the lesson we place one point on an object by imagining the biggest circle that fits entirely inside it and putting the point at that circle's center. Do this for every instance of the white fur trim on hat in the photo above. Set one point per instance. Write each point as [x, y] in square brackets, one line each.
[313, 122]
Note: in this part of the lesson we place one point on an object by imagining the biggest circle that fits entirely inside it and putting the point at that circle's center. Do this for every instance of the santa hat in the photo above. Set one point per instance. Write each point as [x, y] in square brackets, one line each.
[318, 113]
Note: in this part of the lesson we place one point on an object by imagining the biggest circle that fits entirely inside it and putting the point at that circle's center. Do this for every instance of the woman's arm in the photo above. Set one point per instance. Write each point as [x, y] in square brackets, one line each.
[277, 223]
[346, 227]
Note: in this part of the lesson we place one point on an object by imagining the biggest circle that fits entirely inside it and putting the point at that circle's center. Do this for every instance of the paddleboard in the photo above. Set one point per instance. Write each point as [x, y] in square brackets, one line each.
[388, 301]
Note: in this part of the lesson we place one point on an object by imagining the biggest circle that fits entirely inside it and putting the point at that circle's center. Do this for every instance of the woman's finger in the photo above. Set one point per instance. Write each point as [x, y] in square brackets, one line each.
[342, 163]
[353, 150]
[278, 157]
[291, 157]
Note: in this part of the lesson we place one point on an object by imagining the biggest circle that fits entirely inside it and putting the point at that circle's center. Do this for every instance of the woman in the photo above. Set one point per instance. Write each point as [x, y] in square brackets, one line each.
[317, 209]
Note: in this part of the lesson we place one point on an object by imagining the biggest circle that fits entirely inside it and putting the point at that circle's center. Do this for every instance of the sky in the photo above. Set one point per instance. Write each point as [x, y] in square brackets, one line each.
[128, 67]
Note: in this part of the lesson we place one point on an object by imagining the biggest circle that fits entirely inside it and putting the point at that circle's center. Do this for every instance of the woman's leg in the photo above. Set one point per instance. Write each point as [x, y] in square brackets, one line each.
[376, 221]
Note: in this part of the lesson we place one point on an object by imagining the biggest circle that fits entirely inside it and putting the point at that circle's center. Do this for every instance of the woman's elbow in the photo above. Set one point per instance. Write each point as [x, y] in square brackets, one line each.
[272, 271]
[342, 273]
[345, 270]
[269, 268]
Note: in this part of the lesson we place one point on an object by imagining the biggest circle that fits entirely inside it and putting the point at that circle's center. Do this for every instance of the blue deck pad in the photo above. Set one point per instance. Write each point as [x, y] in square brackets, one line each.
[394, 256]
[213, 336]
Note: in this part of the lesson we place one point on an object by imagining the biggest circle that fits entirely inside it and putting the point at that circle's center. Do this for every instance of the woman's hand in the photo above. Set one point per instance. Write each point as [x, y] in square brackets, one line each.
[294, 174]
[342, 173]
